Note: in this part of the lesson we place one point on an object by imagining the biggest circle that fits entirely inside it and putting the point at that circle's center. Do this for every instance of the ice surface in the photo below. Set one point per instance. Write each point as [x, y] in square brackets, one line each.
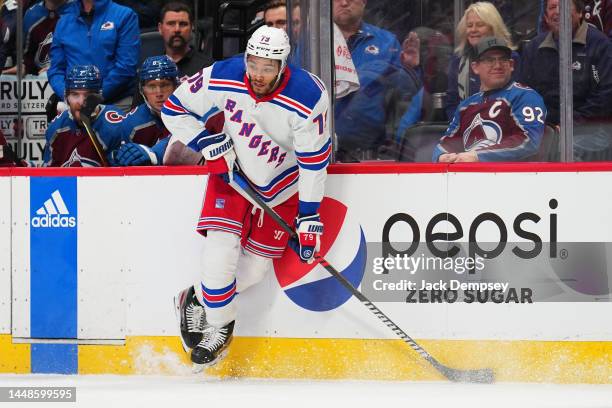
[201, 391]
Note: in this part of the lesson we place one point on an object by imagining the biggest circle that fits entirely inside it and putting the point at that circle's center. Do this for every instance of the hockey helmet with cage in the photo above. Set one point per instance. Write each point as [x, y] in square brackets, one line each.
[84, 77]
[158, 67]
[269, 42]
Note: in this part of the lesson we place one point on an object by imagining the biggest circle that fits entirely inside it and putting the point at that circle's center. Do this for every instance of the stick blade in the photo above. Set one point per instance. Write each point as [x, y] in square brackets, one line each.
[482, 376]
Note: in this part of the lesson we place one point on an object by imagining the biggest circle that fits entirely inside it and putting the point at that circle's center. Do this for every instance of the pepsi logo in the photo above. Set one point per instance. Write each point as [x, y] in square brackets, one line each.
[343, 245]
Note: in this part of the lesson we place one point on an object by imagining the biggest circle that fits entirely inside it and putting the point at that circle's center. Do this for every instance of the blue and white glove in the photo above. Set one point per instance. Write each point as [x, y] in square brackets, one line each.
[133, 154]
[218, 151]
[309, 229]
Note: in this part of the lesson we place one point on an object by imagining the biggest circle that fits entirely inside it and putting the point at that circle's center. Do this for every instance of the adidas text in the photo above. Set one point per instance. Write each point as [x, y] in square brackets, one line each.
[54, 221]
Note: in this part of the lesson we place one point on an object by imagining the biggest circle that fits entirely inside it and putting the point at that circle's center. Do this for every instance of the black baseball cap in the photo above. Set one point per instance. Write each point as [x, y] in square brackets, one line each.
[492, 43]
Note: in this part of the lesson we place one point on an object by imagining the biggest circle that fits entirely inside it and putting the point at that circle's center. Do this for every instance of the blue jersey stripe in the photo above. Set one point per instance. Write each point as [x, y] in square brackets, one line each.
[228, 89]
[268, 199]
[219, 304]
[276, 179]
[309, 154]
[289, 108]
[316, 166]
[219, 291]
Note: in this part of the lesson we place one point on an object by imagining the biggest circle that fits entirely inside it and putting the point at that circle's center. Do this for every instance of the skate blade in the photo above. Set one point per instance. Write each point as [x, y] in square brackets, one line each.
[177, 313]
[198, 368]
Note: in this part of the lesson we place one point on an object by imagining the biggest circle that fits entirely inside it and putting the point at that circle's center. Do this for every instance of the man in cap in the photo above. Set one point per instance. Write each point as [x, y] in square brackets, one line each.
[502, 122]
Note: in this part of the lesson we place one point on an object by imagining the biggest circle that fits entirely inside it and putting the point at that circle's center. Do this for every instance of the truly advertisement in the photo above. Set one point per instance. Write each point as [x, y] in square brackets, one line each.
[445, 261]
[53, 257]
[33, 96]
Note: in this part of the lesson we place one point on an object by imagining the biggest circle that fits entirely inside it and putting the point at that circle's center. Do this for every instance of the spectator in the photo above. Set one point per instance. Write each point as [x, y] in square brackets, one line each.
[346, 80]
[176, 27]
[38, 25]
[597, 13]
[591, 75]
[479, 20]
[591, 63]
[68, 142]
[102, 33]
[365, 119]
[8, 30]
[503, 122]
[275, 14]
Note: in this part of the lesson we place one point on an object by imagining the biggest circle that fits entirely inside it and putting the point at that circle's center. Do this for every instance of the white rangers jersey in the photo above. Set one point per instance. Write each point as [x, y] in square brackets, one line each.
[281, 140]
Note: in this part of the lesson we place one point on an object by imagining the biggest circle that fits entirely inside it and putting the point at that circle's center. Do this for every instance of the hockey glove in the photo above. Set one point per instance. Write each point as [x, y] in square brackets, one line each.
[218, 151]
[133, 154]
[91, 107]
[223, 166]
[309, 229]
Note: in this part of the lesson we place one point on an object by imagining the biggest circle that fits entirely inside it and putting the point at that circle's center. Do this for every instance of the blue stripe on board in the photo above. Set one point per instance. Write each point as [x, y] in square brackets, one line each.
[53, 257]
[54, 358]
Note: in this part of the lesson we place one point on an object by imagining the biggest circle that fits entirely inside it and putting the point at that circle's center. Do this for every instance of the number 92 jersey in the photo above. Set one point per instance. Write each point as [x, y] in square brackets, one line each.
[505, 124]
[281, 140]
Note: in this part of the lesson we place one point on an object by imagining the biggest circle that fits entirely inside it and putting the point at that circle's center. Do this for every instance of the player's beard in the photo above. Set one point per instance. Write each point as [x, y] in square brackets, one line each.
[263, 88]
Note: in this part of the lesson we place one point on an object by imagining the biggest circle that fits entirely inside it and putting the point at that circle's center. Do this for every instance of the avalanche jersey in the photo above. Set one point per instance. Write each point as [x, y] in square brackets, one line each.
[142, 126]
[38, 26]
[501, 125]
[281, 140]
[68, 145]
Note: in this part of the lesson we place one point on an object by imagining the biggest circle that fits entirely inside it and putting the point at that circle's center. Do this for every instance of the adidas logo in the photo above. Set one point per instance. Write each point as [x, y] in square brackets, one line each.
[53, 214]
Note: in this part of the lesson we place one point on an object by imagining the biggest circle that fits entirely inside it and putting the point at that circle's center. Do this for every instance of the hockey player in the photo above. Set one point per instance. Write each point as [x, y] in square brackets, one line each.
[503, 122]
[144, 133]
[68, 143]
[142, 129]
[276, 131]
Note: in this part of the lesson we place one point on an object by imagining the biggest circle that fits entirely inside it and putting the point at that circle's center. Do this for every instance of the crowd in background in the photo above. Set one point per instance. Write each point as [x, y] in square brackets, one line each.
[401, 70]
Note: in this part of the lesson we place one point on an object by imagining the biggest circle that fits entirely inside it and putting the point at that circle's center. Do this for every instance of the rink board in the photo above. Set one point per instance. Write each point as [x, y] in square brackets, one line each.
[134, 246]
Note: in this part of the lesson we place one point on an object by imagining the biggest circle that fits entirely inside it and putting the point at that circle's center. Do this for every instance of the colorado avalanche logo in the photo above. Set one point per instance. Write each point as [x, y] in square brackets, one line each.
[481, 133]
[76, 160]
[114, 116]
[343, 245]
[41, 57]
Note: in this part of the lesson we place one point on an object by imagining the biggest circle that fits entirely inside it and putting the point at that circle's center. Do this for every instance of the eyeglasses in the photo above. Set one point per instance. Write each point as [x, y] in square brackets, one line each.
[159, 87]
[491, 61]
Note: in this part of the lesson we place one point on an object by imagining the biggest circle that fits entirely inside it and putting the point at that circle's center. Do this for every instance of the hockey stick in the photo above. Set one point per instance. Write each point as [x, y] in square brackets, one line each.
[485, 375]
[86, 121]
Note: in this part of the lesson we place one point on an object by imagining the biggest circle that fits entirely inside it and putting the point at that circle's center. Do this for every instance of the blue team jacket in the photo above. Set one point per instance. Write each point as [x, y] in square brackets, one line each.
[112, 43]
[362, 117]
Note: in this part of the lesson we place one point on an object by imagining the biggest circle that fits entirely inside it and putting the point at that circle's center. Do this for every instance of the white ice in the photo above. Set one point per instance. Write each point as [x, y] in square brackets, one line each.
[193, 391]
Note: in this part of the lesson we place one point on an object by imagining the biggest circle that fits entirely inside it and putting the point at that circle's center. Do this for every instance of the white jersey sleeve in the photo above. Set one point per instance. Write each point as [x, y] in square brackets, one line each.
[188, 112]
[312, 143]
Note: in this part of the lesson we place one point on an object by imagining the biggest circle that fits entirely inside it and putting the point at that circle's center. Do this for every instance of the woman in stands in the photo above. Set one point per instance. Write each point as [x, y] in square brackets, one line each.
[480, 20]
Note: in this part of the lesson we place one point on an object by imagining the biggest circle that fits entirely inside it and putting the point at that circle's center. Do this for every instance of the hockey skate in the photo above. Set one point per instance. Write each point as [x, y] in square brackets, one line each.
[191, 317]
[213, 348]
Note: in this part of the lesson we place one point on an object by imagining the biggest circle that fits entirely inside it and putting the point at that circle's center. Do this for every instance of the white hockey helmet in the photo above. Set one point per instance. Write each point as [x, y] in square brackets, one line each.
[269, 42]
